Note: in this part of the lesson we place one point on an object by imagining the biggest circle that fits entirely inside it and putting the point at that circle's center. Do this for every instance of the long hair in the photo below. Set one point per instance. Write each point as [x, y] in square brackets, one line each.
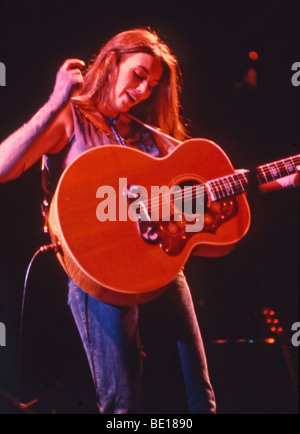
[162, 108]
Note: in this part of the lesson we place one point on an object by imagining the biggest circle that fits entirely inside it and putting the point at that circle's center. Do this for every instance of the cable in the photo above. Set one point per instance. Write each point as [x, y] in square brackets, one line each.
[42, 249]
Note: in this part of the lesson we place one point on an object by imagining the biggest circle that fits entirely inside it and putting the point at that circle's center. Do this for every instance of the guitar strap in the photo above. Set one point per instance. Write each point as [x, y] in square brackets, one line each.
[167, 144]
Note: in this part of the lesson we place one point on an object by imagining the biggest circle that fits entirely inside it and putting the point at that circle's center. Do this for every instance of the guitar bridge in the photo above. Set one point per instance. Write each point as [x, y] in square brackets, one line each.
[172, 236]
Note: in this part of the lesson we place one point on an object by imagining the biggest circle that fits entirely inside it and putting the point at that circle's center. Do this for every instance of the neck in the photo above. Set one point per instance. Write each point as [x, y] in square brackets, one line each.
[109, 112]
[106, 112]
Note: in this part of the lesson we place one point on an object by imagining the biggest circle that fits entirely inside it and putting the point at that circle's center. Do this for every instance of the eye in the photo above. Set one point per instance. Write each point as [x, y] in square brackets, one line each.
[142, 78]
[139, 77]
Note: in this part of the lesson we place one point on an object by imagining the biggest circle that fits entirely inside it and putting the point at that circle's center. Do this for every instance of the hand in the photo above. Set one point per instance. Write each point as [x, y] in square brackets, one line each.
[69, 80]
[286, 182]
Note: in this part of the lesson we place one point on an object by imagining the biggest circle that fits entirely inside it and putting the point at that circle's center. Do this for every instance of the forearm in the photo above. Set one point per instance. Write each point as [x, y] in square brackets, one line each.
[24, 147]
[46, 129]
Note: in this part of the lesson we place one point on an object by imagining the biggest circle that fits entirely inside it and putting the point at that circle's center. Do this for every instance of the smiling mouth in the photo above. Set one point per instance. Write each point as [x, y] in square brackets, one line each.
[132, 98]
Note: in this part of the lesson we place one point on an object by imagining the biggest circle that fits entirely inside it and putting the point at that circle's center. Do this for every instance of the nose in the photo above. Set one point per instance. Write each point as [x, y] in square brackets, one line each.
[142, 87]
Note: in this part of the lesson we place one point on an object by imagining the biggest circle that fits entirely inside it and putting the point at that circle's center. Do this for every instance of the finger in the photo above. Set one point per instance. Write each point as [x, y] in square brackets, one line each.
[77, 75]
[77, 81]
[73, 63]
[76, 71]
[77, 87]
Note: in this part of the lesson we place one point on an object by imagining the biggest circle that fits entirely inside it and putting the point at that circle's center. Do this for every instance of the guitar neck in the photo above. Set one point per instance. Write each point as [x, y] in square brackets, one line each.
[238, 183]
[227, 186]
[278, 169]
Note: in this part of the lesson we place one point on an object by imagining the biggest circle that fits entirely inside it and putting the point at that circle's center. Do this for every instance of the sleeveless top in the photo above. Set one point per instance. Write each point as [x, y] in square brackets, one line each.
[86, 136]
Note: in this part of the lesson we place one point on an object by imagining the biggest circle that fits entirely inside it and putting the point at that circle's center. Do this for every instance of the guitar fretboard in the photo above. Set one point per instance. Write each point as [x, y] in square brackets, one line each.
[238, 182]
[228, 186]
[278, 169]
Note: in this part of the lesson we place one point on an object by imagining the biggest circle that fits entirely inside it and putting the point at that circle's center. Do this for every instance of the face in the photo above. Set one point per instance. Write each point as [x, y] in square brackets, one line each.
[138, 74]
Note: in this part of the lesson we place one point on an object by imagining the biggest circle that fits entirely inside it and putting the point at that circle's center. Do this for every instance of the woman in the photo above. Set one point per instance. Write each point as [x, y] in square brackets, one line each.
[135, 73]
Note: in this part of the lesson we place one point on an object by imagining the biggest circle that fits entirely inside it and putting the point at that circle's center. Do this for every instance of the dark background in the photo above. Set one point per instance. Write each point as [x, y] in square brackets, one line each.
[253, 125]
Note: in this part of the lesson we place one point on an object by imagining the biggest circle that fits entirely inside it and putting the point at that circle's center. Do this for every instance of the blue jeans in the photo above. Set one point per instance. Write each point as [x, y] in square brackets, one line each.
[111, 338]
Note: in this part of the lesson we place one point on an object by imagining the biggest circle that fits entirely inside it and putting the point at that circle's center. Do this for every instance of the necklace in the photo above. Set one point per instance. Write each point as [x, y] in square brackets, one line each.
[111, 122]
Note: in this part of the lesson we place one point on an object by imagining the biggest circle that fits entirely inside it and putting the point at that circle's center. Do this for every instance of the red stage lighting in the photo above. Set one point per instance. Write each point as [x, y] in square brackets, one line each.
[253, 55]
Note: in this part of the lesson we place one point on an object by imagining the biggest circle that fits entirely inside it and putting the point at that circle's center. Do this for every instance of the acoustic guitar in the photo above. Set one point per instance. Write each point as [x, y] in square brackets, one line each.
[125, 261]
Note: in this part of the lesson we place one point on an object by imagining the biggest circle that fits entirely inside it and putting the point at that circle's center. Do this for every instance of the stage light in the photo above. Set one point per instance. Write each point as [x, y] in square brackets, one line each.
[250, 78]
[253, 55]
[270, 341]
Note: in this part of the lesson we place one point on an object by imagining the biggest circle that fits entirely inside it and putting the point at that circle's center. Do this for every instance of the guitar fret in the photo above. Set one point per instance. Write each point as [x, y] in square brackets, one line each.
[245, 179]
[262, 175]
[273, 170]
[290, 166]
[238, 183]
[278, 169]
[293, 164]
[215, 190]
[267, 172]
[223, 187]
[233, 184]
[241, 186]
[218, 189]
[285, 168]
[228, 186]
[233, 181]
[211, 191]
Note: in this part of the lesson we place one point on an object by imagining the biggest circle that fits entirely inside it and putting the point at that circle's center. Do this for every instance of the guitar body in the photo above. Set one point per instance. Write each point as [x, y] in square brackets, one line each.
[110, 260]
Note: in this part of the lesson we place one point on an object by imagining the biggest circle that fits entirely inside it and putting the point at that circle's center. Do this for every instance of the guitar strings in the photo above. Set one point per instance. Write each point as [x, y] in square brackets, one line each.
[266, 174]
[218, 190]
[280, 165]
[190, 193]
[223, 187]
[296, 159]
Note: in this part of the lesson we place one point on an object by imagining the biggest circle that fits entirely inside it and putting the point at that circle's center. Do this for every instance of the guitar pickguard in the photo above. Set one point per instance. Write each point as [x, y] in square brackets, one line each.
[172, 236]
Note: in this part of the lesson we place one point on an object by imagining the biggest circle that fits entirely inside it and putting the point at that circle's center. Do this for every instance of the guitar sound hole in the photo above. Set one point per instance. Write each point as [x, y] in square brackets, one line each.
[191, 198]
